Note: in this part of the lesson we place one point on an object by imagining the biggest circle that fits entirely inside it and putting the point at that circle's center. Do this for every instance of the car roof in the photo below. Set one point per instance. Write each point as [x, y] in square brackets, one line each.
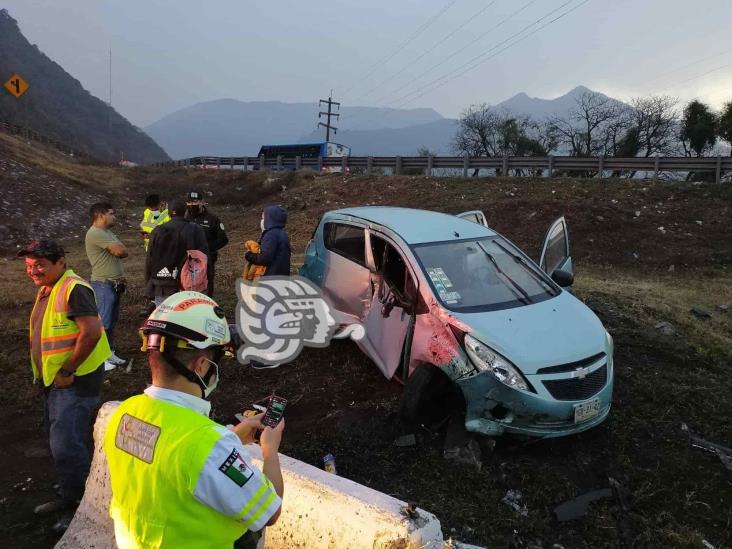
[418, 226]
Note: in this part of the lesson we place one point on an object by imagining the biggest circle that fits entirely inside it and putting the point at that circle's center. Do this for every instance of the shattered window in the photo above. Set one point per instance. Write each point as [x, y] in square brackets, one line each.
[388, 261]
[346, 240]
[395, 271]
[485, 274]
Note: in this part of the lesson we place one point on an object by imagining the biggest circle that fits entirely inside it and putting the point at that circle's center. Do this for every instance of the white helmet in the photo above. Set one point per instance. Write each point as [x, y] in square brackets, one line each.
[192, 318]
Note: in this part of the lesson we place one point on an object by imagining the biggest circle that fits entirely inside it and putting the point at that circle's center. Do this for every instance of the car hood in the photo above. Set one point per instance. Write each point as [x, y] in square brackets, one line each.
[556, 331]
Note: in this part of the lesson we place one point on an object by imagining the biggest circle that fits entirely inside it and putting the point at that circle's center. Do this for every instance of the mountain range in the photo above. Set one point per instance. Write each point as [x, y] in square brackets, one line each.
[57, 106]
[228, 127]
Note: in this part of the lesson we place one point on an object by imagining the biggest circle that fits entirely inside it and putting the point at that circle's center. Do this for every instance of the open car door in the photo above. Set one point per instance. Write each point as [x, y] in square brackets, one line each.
[346, 277]
[476, 216]
[388, 319]
[555, 254]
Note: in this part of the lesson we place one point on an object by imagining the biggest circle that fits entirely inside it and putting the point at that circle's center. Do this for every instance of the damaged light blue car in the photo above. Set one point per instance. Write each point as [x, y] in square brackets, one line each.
[460, 315]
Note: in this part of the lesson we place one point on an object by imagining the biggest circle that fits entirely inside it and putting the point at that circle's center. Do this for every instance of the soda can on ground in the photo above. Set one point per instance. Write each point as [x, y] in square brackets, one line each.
[329, 464]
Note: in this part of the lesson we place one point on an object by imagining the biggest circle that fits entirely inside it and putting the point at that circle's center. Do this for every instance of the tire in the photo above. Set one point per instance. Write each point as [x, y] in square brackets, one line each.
[429, 395]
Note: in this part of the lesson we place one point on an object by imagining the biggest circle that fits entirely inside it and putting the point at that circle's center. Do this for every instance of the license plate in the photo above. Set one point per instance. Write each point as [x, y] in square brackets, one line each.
[586, 410]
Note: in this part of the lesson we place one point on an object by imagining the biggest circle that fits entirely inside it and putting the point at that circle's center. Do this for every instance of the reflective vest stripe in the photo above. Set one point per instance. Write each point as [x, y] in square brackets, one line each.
[60, 344]
[261, 507]
[61, 303]
[253, 502]
[56, 338]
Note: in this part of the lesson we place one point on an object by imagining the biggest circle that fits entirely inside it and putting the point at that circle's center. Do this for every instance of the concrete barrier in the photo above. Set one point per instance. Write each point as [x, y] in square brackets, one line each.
[319, 510]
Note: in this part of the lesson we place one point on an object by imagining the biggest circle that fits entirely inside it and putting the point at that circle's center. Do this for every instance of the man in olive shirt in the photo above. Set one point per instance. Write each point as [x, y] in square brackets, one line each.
[105, 253]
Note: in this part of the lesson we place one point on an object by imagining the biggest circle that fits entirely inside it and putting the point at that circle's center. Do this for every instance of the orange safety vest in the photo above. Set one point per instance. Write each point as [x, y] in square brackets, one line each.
[59, 334]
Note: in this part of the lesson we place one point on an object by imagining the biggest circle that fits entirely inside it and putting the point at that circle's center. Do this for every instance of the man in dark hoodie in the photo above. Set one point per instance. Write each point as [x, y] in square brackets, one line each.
[274, 243]
[166, 252]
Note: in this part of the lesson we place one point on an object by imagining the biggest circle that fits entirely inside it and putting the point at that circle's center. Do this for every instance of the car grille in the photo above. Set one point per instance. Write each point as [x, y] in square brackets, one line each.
[572, 366]
[576, 388]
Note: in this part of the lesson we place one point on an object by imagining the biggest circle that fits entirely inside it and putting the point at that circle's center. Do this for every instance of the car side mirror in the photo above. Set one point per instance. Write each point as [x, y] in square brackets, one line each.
[563, 278]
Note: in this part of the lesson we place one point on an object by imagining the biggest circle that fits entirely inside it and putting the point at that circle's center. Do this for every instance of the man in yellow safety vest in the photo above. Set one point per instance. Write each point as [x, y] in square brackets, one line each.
[68, 347]
[156, 213]
[178, 478]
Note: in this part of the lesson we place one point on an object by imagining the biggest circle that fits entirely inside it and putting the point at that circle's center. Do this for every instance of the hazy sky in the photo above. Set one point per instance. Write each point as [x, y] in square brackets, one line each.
[167, 55]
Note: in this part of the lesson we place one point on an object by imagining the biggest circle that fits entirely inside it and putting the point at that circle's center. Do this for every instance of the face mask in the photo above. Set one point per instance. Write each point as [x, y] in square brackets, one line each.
[208, 385]
[261, 224]
[195, 209]
[155, 213]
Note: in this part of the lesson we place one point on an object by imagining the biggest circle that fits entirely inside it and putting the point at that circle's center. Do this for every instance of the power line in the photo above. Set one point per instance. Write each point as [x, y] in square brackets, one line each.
[456, 52]
[460, 50]
[705, 73]
[469, 20]
[421, 91]
[401, 46]
[450, 76]
[687, 65]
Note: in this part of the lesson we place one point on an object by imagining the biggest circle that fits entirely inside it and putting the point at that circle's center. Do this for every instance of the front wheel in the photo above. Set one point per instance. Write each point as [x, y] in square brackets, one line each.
[429, 396]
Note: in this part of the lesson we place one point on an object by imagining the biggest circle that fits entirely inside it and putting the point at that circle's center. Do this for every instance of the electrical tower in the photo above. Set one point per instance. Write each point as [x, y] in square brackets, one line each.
[329, 114]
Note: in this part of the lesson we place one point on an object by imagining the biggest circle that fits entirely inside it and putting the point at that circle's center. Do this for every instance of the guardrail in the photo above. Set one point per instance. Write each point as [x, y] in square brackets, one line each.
[33, 136]
[546, 165]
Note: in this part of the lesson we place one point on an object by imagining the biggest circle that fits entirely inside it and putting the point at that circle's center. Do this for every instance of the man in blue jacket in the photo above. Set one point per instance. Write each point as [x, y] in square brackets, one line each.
[274, 243]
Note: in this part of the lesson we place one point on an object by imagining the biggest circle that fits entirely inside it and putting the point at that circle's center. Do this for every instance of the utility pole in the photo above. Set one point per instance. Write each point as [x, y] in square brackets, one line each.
[329, 114]
[109, 109]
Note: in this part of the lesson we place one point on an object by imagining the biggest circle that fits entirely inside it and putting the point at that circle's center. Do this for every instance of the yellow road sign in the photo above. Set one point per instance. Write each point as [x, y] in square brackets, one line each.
[16, 85]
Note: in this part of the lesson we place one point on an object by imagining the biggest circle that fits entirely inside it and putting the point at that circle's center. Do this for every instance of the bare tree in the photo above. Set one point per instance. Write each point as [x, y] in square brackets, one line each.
[591, 125]
[476, 134]
[483, 131]
[654, 124]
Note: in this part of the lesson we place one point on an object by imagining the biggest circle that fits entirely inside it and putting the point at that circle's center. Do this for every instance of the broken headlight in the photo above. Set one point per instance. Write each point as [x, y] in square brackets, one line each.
[486, 359]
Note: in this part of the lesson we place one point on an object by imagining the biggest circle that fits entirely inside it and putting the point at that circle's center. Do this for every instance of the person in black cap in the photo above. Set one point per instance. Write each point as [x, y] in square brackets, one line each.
[68, 347]
[214, 229]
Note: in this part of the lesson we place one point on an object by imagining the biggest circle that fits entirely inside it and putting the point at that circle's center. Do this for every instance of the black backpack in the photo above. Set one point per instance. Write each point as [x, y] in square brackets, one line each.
[167, 253]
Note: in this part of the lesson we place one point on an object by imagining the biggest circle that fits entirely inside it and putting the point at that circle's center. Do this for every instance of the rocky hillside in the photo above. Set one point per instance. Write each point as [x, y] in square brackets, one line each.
[56, 105]
[36, 203]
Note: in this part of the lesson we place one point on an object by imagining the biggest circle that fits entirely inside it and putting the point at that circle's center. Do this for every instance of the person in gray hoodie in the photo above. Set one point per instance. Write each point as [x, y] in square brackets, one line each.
[274, 243]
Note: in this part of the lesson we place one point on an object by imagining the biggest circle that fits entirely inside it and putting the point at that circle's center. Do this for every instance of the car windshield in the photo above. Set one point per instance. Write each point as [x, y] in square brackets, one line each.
[482, 275]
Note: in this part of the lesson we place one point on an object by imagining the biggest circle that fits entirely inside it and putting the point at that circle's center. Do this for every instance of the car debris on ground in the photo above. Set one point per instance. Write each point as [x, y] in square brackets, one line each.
[460, 446]
[577, 507]
[722, 452]
[405, 441]
[698, 312]
[513, 500]
[666, 328]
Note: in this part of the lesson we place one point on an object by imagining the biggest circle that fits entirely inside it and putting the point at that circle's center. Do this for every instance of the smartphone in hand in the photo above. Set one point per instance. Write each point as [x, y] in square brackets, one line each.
[275, 411]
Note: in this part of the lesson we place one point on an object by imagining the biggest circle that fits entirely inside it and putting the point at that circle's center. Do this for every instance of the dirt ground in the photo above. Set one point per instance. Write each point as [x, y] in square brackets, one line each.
[644, 251]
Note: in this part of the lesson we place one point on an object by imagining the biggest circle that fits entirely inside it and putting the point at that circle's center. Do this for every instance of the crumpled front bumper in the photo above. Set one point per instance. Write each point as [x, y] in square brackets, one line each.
[493, 408]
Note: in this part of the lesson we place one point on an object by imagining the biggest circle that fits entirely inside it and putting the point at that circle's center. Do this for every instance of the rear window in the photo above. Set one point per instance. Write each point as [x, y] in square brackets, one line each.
[346, 240]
